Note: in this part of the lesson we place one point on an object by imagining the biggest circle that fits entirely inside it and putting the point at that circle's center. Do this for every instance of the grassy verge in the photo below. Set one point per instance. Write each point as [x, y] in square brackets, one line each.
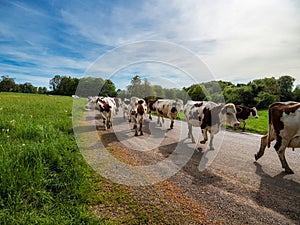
[43, 178]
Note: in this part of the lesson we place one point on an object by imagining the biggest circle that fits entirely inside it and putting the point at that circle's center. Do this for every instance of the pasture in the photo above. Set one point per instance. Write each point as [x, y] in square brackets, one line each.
[45, 180]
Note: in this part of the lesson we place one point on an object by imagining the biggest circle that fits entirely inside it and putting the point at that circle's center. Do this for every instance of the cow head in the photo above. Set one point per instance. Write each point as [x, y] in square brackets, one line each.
[253, 113]
[228, 115]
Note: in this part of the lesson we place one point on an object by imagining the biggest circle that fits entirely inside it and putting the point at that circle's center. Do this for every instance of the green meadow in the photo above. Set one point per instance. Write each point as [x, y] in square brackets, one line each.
[43, 176]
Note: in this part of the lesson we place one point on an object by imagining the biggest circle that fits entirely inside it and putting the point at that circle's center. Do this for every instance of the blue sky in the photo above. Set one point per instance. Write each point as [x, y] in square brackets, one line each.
[237, 41]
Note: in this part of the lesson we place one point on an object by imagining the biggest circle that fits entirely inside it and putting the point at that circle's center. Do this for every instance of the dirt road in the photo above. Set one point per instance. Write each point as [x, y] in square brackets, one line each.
[229, 185]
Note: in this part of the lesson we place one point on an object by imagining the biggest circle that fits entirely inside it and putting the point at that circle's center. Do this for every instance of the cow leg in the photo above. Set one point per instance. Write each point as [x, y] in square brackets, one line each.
[150, 117]
[141, 131]
[204, 132]
[104, 123]
[135, 129]
[280, 147]
[190, 133]
[212, 131]
[244, 125]
[211, 147]
[172, 124]
[263, 145]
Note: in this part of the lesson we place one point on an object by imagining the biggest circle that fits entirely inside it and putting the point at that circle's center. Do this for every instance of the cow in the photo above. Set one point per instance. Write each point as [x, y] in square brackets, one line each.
[134, 102]
[126, 108]
[209, 116]
[167, 107]
[91, 102]
[118, 102]
[284, 127]
[137, 116]
[244, 112]
[106, 107]
[150, 107]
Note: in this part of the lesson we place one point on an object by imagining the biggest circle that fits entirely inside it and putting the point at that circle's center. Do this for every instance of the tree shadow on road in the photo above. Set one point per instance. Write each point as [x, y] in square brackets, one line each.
[279, 194]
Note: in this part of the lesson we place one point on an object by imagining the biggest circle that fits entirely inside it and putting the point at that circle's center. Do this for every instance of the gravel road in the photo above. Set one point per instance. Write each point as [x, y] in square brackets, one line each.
[227, 182]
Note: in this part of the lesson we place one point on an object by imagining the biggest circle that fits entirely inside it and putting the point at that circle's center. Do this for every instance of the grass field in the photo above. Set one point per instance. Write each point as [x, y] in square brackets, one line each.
[45, 180]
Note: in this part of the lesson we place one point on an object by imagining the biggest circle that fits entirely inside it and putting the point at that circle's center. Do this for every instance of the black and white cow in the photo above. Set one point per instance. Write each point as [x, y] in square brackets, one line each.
[167, 107]
[137, 116]
[284, 127]
[244, 112]
[209, 116]
[106, 107]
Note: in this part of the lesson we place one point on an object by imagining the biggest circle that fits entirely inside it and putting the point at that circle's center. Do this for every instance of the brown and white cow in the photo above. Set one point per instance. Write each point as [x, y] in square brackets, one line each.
[284, 127]
[209, 116]
[167, 107]
[106, 107]
[244, 112]
[137, 116]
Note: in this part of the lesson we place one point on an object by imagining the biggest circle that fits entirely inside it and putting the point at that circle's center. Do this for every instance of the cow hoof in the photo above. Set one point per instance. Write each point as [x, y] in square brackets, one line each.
[289, 171]
[136, 135]
[141, 134]
[256, 157]
[202, 142]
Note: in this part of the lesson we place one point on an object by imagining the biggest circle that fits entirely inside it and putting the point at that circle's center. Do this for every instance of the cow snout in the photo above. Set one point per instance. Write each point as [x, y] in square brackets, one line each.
[236, 125]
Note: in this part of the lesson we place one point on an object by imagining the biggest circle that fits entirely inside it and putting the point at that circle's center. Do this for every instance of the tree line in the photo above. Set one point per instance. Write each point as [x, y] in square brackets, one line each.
[259, 93]
[8, 84]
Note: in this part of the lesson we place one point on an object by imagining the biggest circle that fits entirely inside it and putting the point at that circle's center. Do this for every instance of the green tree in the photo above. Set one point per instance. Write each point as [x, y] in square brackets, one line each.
[296, 94]
[27, 88]
[264, 99]
[42, 90]
[286, 88]
[54, 83]
[197, 92]
[8, 84]
[135, 88]
[89, 86]
[108, 89]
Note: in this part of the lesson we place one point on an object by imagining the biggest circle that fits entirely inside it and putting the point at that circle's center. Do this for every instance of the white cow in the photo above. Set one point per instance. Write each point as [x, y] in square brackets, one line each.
[209, 116]
[126, 108]
[284, 127]
[167, 107]
[106, 107]
[137, 116]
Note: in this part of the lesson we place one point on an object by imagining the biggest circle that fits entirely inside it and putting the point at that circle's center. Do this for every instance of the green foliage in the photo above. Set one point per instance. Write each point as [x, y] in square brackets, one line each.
[286, 87]
[296, 94]
[197, 92]
[43, 178]
[8, 84]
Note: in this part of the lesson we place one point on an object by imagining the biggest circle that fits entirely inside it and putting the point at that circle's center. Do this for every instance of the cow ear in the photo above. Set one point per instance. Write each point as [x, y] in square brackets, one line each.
[223, 110]
[238, 109]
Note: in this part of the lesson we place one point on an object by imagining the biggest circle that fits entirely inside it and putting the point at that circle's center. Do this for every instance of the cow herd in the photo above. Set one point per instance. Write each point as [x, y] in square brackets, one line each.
[284, 118]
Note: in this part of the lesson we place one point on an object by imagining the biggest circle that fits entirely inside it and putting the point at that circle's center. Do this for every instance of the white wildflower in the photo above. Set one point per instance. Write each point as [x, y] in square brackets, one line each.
[23, 144]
